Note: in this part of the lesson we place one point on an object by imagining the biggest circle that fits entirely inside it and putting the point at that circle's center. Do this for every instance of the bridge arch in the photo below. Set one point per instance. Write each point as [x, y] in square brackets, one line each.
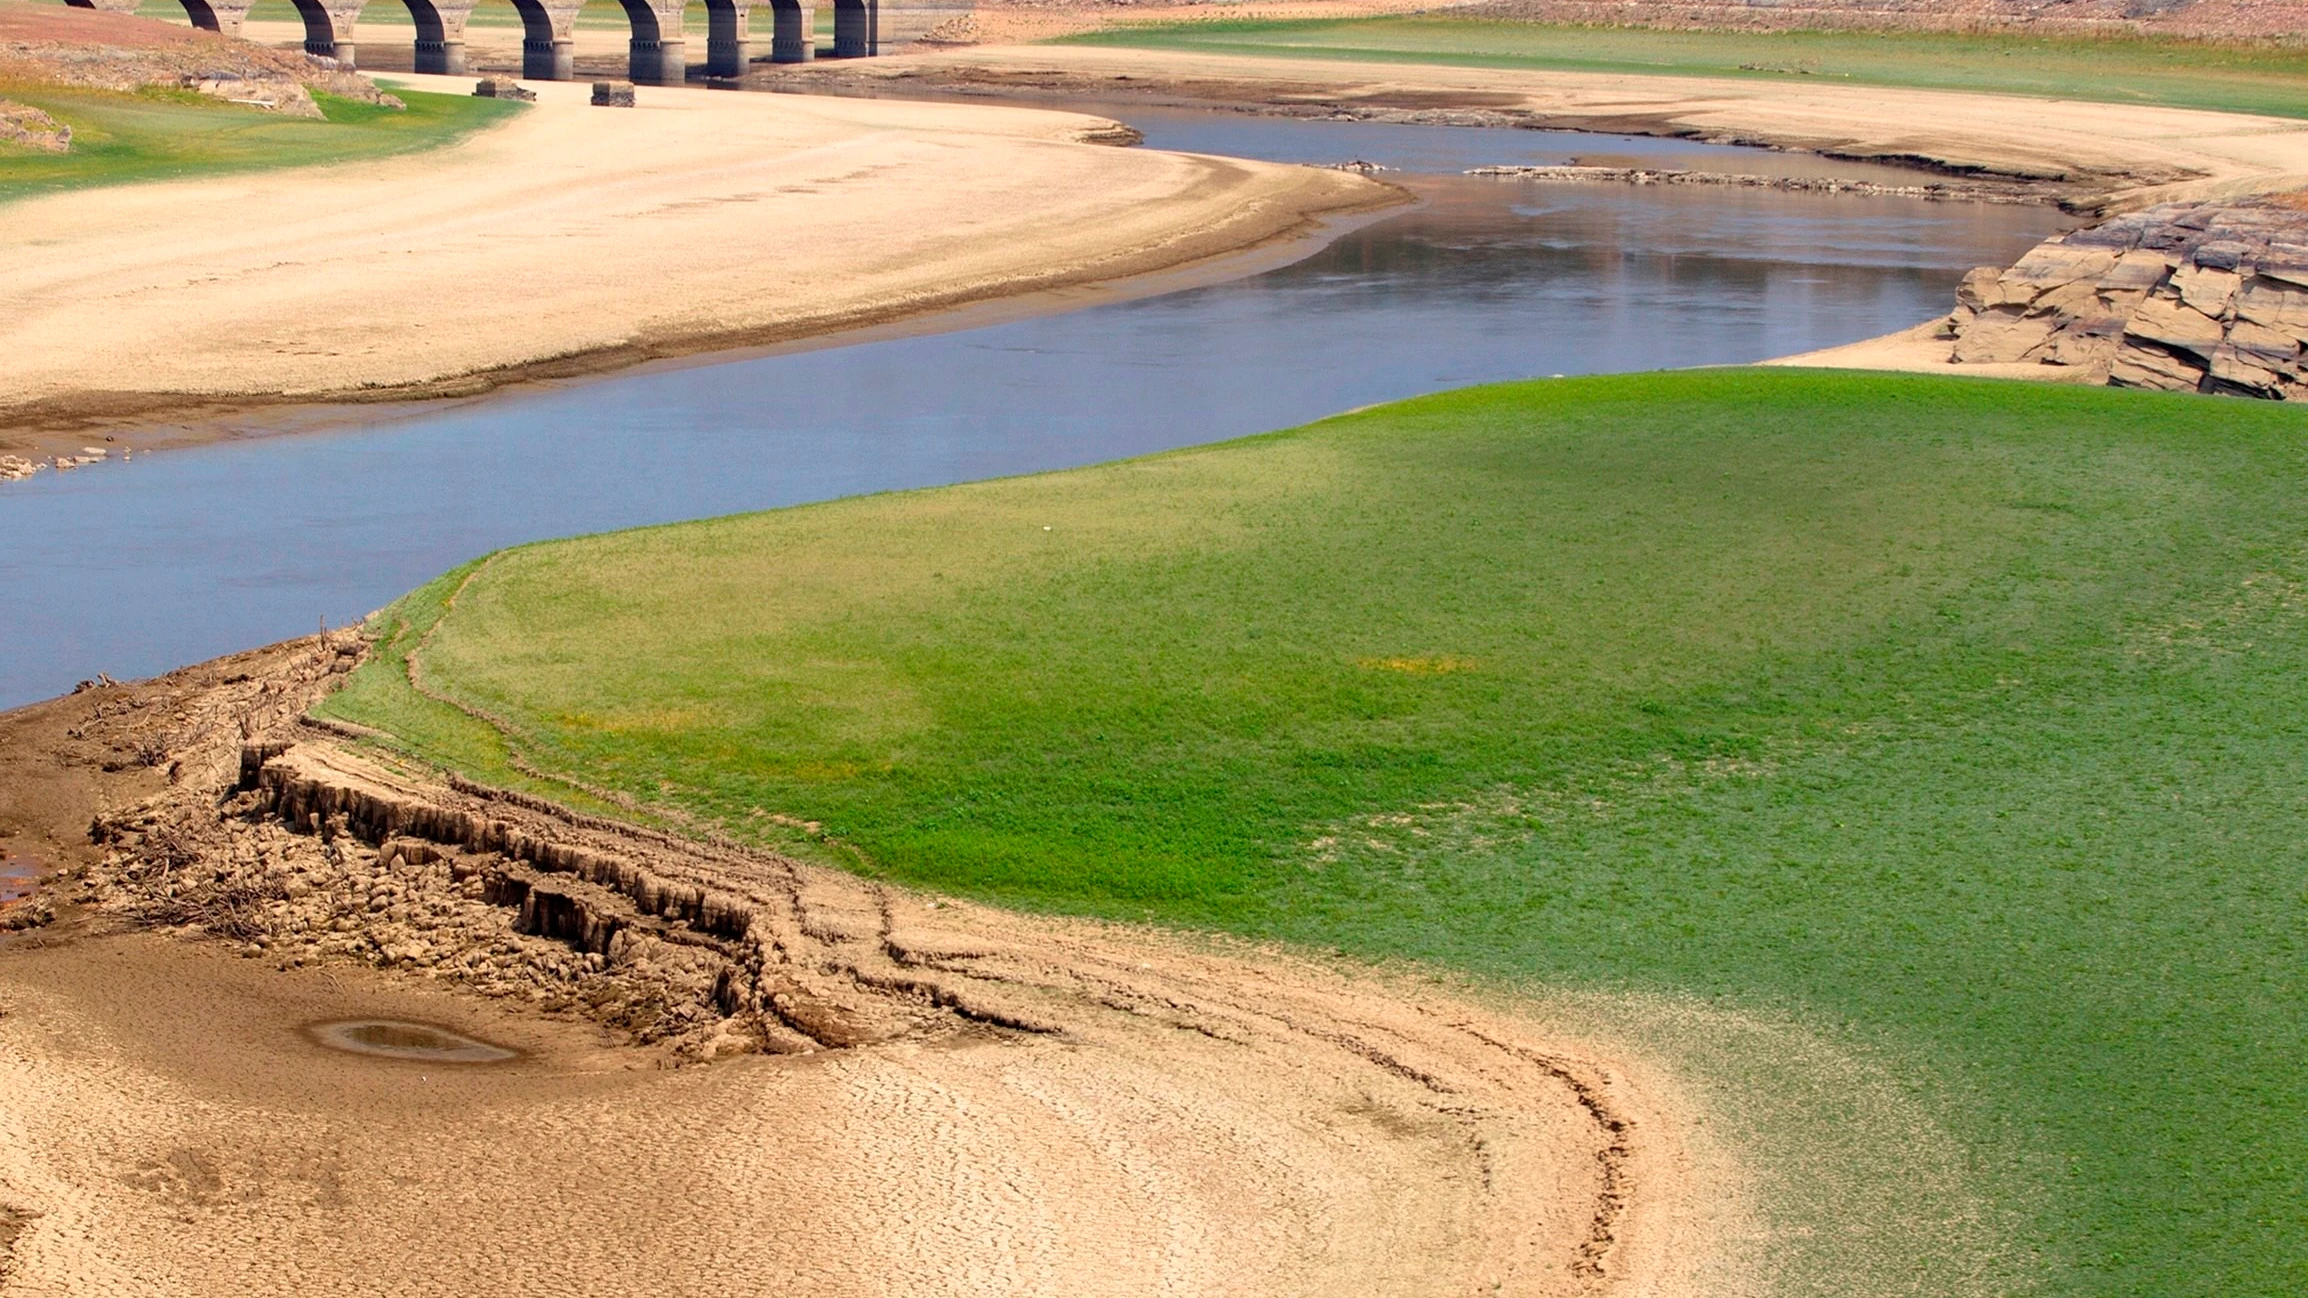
[728, 38]
[658, 54]
[440, 34]
[657, 51]
[854, 24]
[223, 17]
[329, 28]
[793, 31]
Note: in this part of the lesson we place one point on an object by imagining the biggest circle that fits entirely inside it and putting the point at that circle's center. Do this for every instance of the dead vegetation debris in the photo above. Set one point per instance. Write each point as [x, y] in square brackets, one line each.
[25, 127]
[241, 72]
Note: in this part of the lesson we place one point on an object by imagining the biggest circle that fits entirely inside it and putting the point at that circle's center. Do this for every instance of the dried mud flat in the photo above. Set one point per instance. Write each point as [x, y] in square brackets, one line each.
[734, 1069]
[700, 222]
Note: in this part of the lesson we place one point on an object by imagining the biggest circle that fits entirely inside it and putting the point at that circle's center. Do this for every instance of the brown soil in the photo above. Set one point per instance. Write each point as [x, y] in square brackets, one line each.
[906, 1094]
[95, 50]
[43, 22]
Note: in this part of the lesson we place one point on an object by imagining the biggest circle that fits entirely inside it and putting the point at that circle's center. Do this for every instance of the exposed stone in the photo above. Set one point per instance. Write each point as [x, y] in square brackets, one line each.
[2001, 334]
[2243, 373]
[2206, 297]
[2275, 304]
[2207, 289]
[502, 88]
[1979, 288]
[2268, 347]
[613, 94]
[2173, 323]
[1962, 191]
[27, 127]
[2140, 269]
[2223, 254]
[2152, 367]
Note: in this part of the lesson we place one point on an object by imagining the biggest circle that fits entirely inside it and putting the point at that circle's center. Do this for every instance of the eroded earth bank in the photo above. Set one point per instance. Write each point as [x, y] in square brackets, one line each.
[732, 1068]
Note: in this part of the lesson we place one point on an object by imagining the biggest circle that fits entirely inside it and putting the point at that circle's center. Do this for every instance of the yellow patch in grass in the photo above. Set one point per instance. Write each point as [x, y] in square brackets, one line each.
[1436, 665]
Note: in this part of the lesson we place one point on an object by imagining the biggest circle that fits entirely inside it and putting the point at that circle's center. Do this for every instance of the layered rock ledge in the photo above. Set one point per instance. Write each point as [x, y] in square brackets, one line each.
[2186, 297]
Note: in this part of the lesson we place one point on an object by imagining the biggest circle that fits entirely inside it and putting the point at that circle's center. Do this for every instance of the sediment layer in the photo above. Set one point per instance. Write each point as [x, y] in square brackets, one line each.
[892, 1092]
[2189, 297]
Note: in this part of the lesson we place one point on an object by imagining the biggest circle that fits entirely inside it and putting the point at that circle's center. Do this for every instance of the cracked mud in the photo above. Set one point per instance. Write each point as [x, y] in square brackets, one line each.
[729, 1067]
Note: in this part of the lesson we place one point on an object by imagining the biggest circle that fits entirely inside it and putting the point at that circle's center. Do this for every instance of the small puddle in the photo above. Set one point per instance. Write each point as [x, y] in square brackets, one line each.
[19, 879]
[401, 1039]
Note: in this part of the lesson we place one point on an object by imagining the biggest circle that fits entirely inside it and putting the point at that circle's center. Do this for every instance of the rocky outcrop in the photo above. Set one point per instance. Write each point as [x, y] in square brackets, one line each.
[1933, 191]
[276, 834]
[503, 88]
[27, 127]
[2197, 297]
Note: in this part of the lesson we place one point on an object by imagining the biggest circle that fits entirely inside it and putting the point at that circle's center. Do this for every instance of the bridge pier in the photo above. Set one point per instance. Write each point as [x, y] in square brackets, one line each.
[440, 34]
[793, 32]
[443, 58]
[728, 38]
[658, 53]
[548, 41]
[329, 28]
[223, 17]
[853, 34]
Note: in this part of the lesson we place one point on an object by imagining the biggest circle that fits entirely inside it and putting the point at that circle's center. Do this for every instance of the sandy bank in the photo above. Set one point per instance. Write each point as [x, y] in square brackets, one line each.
[2091, 155]
[937, 1099]
[1924, 349]
[578, 238]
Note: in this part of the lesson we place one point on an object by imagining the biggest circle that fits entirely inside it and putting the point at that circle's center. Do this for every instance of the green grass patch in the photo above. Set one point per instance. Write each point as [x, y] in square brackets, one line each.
[1973, 716]
[2125, 70]
[169, 134]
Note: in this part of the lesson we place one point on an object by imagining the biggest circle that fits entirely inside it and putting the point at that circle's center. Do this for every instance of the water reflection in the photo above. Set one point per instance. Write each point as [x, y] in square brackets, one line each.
[135, 568]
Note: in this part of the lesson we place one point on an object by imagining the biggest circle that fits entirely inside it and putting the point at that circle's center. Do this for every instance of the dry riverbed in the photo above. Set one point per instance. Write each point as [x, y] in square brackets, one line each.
[689, 1064]
[578, 239]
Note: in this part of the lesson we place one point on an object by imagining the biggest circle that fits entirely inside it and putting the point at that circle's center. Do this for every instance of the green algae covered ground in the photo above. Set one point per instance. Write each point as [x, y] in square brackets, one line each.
[1971, 718]
[2237, 78]
[171, 134]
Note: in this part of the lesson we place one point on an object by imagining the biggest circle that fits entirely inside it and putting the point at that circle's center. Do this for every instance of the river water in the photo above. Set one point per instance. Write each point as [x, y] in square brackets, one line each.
[134, 568]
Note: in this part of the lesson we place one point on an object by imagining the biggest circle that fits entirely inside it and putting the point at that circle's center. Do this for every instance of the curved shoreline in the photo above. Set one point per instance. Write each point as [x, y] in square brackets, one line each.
[151, 421]
[1191, 226]
[884, 211]
[2089, 157]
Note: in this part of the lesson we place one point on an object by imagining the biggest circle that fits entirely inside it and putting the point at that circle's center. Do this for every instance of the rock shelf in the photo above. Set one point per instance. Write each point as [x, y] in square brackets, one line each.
[2187, 297]
[1936, 191]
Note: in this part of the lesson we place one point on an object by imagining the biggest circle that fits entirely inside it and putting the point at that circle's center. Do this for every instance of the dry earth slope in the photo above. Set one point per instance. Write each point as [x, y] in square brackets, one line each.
[907, 1095]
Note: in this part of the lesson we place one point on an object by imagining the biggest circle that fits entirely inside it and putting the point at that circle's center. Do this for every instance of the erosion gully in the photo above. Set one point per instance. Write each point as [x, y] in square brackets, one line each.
[133, 568]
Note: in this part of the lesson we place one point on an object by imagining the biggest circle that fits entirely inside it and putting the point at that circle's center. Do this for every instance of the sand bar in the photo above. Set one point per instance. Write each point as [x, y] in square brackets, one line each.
[580, 238]
[2102, 155]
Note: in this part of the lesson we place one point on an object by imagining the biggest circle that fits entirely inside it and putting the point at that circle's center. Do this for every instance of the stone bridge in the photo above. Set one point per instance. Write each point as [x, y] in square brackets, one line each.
[660, 48]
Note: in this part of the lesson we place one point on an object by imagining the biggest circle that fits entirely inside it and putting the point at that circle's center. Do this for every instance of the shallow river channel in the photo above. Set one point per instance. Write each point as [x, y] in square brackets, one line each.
[133, 568]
